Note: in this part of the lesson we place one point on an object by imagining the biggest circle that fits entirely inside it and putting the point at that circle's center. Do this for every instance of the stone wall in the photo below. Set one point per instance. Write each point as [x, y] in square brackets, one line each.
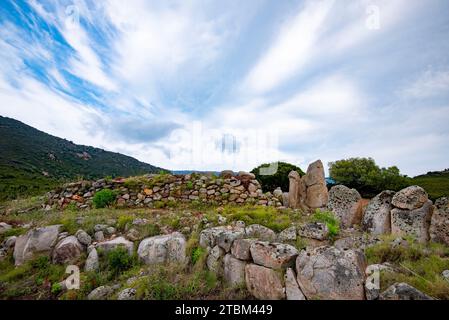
[160, 190]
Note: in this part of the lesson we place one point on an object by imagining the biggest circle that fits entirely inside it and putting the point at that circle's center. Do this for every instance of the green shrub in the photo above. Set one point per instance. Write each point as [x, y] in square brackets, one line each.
[364, 175]
[103, 198]
[278, 179]
[119, 260]
[332, 222]
[189, 185]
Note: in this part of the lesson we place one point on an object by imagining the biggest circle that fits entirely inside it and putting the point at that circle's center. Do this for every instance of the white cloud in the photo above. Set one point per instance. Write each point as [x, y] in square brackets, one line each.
[429, 84]
[291, 49]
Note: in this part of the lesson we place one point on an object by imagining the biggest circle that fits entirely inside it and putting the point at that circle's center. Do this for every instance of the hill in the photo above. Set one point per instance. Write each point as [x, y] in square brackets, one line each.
[32, 161]
[436, 183]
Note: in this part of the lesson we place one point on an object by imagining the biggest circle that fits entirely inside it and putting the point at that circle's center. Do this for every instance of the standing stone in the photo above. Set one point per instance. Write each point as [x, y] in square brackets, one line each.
[331, 274]
[415, 222]
[410, 198]
[292, 289]
[92, 261]
[35, 242]
[68, 250]
[377, 217]
[317, 195]
[294, 197]
[264, 283]
[345, 204]
[439, 225]
[234, 270]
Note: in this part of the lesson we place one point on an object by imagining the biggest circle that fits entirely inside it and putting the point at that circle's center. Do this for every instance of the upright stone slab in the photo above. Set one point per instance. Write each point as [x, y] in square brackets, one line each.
[315, 182]
[439, 225]
[294, 196]
[415, 222]
[377, 217]
[345, 204]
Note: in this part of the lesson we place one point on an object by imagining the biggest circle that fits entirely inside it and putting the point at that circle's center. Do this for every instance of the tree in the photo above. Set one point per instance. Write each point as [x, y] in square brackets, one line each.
[366, 176]
[279, 179]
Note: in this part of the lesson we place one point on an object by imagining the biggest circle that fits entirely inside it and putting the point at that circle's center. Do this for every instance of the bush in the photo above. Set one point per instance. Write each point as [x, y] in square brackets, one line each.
[119, 260]
[279, 179]
[332, 222]
[366, 177]
[103, 198]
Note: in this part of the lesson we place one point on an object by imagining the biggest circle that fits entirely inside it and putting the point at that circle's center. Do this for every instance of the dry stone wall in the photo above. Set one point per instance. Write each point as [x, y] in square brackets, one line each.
[159, 190]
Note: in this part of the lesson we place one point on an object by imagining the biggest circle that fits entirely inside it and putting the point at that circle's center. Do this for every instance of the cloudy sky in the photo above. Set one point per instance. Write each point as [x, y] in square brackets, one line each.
[230, 84]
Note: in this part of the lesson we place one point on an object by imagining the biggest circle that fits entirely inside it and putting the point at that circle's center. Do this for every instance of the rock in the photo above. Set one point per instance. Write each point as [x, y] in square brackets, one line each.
[234, 270]
[214, 260]
[100, 293]
[133, 234]
[316, 194]
[445, 275]
[260, 232]
[100, 227]
[345, 204]
[403, 291]
[4, 227]
[9, 243]
[127, 294]
[116, 243]
[264, 283]
[377, 217]
[35, 242]
[273, 255]
[92, 261]
[288, 234]
[314, 230]
[226, 174]
[68, 251]
[164, 248]
[278, 193]
[221, 219]
[439, 225]
[331, 274]
[241, 249]
[410, 198]
[415, 222]
[294, 196]
[99, 236]
[110, 230]
[292, 290]
[285, 202]
[372, 283]
[226, 238]
[83, 237]
[208, 237]
[356, 241]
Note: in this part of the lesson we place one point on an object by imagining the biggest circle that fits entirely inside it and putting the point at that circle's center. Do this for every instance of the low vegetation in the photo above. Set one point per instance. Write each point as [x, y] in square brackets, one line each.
[332, 222]
[103, 198]
[419, 265]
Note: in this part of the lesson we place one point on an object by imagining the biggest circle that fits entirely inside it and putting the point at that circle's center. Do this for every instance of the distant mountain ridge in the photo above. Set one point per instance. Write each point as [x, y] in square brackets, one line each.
[32, 161]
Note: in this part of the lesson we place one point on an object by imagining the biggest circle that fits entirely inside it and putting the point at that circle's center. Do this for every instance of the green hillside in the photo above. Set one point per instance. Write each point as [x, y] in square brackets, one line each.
[435, 183]
[32, 161]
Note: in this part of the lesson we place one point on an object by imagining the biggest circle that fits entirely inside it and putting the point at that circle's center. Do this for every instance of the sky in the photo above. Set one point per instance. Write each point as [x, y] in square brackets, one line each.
[214, 85]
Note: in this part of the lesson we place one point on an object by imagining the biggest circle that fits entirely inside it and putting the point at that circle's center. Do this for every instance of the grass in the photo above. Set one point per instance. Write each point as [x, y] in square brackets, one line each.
[332, 222]
[419, 265]
[267, 216]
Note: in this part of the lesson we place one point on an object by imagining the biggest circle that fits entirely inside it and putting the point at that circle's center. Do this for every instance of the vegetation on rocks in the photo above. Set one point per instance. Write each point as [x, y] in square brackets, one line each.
[103, 198]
